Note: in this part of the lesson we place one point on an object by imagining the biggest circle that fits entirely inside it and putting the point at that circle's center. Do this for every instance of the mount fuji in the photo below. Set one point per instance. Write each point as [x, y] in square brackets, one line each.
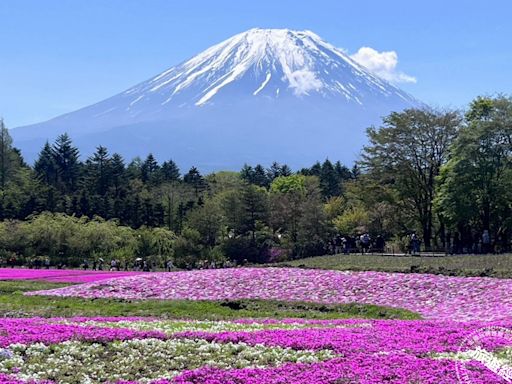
[261, 96]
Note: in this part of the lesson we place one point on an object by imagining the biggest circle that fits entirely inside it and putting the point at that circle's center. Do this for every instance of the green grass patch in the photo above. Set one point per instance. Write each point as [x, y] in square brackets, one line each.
[14, 304]
[457, 265]
[13, 286]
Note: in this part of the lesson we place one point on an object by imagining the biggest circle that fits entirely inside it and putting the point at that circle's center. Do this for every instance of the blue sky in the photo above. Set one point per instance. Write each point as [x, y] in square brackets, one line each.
[59, 55]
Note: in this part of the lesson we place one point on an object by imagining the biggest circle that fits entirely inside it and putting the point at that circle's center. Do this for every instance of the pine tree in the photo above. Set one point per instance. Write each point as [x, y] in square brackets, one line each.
[196, 180]
[149, 169]
[7, 163]
[274, 171]
[66, 159]
[118, 171]
[285, 170]
[170, 171]
[316, 169]
[134, 169]
[329, 182]
[98, 171]
[342, 172]
[247, 173]
[45, 166]
[260, 177]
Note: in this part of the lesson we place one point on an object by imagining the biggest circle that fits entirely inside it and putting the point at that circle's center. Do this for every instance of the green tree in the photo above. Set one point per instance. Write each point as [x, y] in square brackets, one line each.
[208, 221]
[475, 188]
[8, 164]
[170, 172]
[45, 166]
[406, 153]
[98, 169]
[194, 178]
[254, 201]
[66, 157]
[149, 169]
[330, 183]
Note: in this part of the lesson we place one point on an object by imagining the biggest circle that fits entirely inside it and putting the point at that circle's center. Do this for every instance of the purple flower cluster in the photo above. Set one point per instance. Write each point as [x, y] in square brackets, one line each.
[413, 337]
[52, 331]
[360, 369]
[6, 379]
[433, 296]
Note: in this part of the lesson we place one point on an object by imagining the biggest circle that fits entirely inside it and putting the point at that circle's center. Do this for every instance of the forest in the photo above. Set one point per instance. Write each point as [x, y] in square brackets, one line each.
[444, 175]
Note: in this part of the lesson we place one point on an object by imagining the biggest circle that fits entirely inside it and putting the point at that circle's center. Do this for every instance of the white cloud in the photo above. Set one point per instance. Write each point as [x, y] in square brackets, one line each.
[303, 81]
[383, 64]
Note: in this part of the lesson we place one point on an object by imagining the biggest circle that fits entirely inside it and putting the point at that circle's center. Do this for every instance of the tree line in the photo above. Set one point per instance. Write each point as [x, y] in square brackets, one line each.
[445, 175]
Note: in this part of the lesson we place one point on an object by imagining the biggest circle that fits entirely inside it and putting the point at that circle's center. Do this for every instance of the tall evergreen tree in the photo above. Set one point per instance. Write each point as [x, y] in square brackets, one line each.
[117, 170]
[7, 156]
[329, 182]
[99, 173]
[66, 157]
[260, 177]
[149, 169]
[194, 178]
[45, 166]
[170, 171]
[247, 173]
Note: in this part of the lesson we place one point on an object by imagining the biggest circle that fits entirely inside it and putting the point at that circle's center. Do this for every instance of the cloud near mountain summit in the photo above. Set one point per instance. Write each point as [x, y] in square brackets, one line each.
[383, 64]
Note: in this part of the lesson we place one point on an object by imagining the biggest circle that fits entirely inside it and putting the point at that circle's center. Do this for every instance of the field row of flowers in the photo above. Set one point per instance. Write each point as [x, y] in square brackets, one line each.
[433, 296]
[61, 275]
[135, 350]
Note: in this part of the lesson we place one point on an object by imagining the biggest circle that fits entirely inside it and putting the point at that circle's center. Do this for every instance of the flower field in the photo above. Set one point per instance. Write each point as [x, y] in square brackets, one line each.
[151, 350]
[433, 296]
[61, 275]
[122, 350]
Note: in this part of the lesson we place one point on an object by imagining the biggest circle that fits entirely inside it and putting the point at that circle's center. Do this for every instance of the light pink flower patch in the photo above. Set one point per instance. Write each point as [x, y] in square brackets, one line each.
[433, 296]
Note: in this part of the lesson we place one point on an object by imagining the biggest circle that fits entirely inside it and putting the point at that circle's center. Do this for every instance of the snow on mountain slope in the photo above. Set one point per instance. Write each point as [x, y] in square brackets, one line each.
[286, 85]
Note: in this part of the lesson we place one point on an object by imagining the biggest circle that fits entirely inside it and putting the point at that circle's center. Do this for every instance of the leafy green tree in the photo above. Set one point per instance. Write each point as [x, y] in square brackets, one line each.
[286, 184]
[475, 188]
[222, 181]
[407, 153]
[188, 249]
[254, 201]
[313, 230]
[286, 197]
[208, 221]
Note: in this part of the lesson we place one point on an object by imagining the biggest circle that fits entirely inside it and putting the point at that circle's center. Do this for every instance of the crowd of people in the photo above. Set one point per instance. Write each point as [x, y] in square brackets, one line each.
[476, 243]
[455, 244]
[364, 243]
[140, 264]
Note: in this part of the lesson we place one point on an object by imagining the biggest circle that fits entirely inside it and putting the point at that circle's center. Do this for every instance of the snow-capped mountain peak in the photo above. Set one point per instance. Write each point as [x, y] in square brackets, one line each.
[270, 62]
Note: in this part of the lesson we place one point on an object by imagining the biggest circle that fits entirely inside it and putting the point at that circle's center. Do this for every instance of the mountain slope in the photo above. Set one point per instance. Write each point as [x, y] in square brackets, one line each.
[259, 96]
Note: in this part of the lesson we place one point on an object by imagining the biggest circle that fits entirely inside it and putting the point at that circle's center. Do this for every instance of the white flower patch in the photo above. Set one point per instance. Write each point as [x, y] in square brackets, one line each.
[74, 362]
[171, 327]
